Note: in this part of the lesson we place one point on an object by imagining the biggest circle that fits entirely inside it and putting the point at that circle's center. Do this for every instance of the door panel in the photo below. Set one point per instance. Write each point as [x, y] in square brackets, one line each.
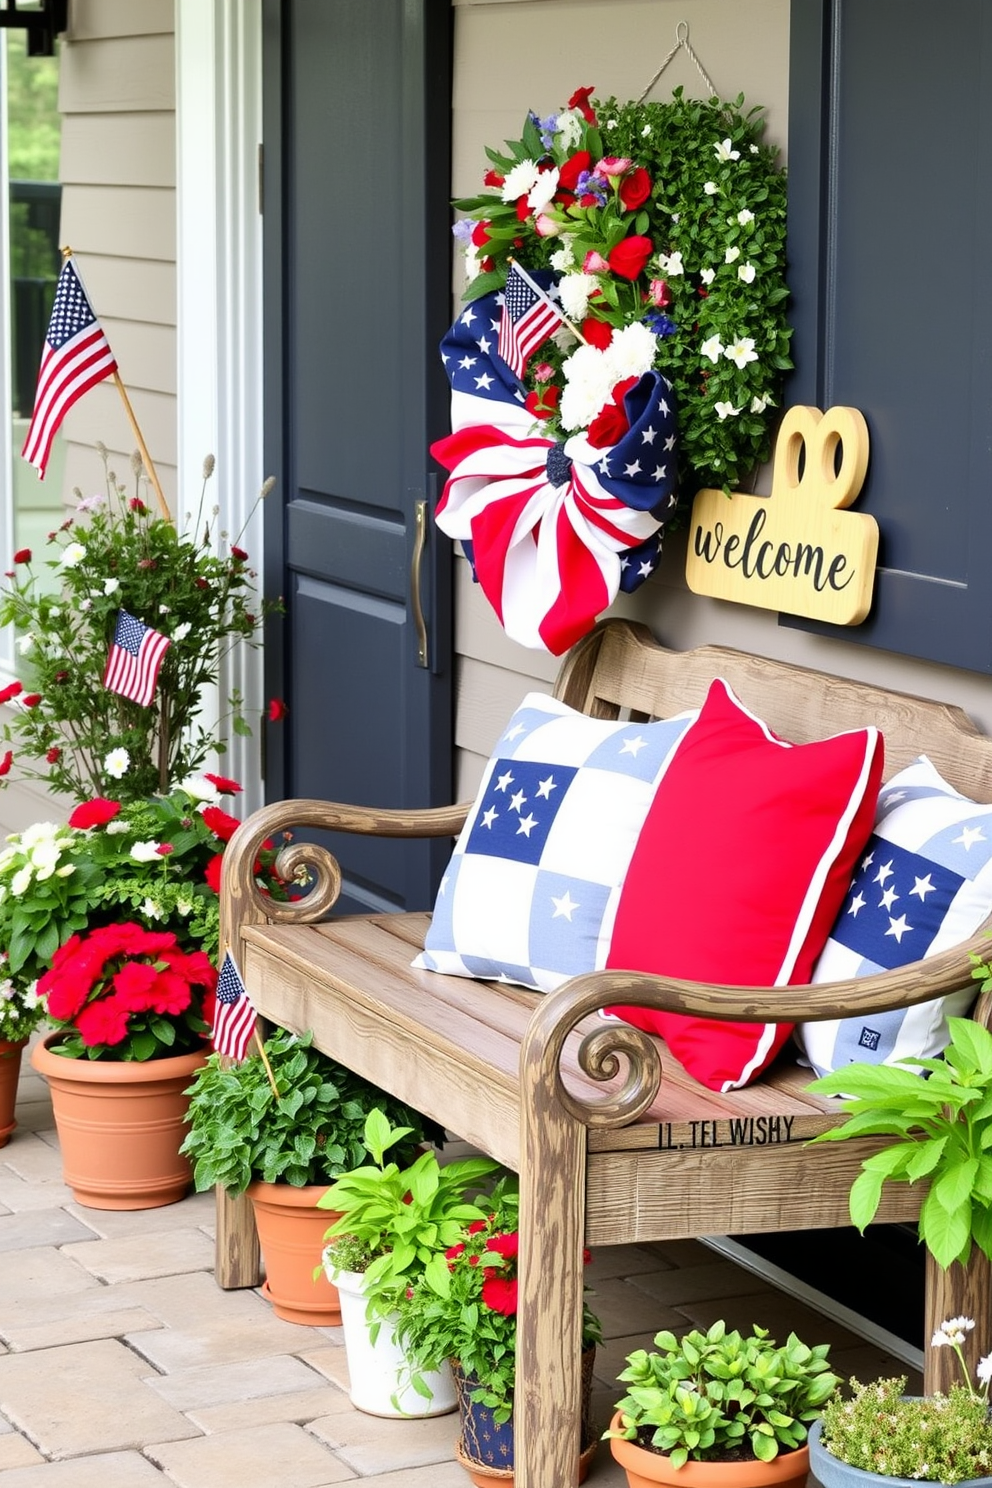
[357, 258]
[890, 216]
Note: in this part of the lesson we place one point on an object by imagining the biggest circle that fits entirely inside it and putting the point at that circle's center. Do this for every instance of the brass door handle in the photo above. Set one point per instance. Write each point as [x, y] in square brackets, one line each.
[417, 609]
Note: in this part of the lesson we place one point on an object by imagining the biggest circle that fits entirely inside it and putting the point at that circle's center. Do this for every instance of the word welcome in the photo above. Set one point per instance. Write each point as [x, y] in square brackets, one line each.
[798, 550]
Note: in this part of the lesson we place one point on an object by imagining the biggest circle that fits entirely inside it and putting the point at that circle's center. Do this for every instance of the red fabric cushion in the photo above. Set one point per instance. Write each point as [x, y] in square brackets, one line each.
[767, 836]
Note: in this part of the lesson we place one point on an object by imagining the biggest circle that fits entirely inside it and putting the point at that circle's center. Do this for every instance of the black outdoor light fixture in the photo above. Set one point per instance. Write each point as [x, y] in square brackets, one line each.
[42, 22]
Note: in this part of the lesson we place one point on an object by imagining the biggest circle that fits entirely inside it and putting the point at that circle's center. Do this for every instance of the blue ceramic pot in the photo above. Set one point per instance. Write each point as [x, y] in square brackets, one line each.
[833, 1473]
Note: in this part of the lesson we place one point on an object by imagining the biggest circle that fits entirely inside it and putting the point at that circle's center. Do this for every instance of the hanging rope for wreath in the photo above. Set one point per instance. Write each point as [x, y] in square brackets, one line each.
[626, 268]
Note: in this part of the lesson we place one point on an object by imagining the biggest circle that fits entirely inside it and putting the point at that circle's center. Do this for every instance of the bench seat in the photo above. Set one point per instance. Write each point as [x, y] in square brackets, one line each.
[613, 1142]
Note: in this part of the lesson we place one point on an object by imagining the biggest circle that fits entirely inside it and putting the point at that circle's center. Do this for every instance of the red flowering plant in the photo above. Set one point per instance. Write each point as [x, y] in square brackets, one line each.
[660, 231]
[468, 1313]
[109, 923]
[189, 582]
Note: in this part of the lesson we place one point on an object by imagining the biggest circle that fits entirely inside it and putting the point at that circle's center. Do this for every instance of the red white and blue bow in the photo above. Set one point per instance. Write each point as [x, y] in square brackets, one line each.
[553, 530]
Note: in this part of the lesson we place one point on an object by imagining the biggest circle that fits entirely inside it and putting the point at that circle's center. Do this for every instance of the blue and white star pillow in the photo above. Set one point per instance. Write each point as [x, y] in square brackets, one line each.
[924, 884]
[531, 891]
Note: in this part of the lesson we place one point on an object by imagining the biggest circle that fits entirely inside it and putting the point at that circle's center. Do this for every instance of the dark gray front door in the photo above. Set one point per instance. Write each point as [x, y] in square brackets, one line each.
[357, 296]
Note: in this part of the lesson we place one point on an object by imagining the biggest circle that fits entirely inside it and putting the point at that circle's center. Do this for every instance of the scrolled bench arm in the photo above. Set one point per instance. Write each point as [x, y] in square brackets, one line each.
[243, 901]
[600, 1054]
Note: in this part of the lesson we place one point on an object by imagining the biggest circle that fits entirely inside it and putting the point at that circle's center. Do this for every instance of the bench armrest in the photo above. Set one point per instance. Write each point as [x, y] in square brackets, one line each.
[559, 1013]
[243, 902]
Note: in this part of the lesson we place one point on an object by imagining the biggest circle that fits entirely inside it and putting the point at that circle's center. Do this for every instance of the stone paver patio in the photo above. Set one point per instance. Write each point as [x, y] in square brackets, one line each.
[122, 1365]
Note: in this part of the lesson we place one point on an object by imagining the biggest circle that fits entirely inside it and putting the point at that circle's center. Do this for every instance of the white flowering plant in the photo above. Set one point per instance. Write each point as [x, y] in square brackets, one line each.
[150, 866]
[932, 1438]
[114, 553]
[665, 224]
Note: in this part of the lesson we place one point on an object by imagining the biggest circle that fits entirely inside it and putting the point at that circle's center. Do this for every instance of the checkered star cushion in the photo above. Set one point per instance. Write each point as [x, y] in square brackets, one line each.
[532, 888]
[924, 883]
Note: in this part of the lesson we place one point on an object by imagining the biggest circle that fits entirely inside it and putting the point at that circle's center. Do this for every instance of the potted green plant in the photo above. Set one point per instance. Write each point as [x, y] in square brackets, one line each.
[882, 1436]
[192, 586]
[718, 1408]
[283, 1140]
[941, 1130]
[394, 1222]
[110, 921]
[466, 1314]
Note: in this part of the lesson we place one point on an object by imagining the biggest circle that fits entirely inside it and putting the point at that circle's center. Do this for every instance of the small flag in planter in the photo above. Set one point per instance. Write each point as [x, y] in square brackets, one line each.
[234, 1020]
[76, 357]
[136, 654]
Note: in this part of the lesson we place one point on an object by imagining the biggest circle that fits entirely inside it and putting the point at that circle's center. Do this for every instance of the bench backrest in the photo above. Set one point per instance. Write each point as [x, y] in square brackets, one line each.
[620, 668]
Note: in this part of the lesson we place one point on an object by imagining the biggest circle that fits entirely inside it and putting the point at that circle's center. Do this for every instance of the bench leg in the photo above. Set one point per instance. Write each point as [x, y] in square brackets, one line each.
[547, 1383]
[237, 1262]
[960, 1291]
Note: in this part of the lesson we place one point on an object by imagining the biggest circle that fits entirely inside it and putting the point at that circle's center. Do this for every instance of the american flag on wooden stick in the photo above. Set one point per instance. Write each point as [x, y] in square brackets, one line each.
[76, 357]
[235, 1019]
[136, 654]
[528, 319]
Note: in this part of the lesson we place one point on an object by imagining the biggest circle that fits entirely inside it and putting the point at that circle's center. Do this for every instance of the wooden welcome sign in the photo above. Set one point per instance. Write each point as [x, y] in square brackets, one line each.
[798, 550]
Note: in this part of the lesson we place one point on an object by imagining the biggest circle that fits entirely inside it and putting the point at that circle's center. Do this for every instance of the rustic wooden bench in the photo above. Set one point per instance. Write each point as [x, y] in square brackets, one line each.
[614, 1144]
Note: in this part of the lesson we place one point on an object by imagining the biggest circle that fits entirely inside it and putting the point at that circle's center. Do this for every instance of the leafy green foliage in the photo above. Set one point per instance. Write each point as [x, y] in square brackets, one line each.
[33, 120]
[942, 1126]
[75, 734]
[468, 1311]
[719, 1395]
[405, 1215]
[938, 1438]
[239, 1131]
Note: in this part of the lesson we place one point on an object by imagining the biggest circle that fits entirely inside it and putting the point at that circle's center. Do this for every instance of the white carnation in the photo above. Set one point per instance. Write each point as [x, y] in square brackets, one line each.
[588, 383]
[520, 180]
[575, 290]
[563, 258]
[543, 190]
[632, 351]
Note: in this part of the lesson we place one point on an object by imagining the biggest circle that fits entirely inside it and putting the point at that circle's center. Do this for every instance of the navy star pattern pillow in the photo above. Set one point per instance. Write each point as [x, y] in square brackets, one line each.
[531, 891]
[924, 883]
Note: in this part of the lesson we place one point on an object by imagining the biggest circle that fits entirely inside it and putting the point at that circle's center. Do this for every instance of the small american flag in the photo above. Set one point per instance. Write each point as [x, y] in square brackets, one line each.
[527, 321]
[234, 1021]
[76, 357]
[136, 654]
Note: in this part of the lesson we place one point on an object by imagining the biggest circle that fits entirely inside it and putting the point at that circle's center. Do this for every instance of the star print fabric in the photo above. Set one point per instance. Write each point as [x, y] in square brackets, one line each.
[924, 884]
[553, 530]
[533, 885]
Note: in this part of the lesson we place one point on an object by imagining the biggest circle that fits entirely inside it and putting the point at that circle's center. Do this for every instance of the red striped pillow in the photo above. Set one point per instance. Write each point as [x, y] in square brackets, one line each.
[743, 861]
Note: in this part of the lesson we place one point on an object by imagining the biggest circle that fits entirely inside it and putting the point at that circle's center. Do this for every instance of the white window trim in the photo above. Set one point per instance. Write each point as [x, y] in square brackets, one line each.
[219, 297]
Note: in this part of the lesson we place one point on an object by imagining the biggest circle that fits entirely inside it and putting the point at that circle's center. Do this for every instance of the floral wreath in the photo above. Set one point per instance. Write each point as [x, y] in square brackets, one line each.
[644, 248]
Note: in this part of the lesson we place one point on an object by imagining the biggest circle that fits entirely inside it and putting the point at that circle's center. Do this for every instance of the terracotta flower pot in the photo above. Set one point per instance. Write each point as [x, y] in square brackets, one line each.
[10, 1069]
[120, 1126]
[644, 1468]
[291, 1235]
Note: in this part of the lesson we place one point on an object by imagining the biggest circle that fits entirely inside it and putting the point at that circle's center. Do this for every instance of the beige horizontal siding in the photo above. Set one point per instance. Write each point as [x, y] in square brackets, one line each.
[139, 289]
[136, 149]
[127, 221]
[123, 74]
[93, 20]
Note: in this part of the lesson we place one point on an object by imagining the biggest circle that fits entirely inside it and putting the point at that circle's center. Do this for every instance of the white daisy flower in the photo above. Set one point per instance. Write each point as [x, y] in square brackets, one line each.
[72, 555]
[117, 764]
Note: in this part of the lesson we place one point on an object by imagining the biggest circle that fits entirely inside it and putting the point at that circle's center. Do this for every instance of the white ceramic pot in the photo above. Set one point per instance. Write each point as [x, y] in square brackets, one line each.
[379, 1372]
